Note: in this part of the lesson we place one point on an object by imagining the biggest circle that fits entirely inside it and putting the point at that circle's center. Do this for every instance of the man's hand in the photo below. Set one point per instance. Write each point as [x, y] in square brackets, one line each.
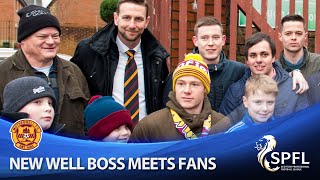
[299, 79]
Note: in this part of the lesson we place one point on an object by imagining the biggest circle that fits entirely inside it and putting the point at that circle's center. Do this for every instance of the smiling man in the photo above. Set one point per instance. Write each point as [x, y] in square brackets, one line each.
[209, 41]
[125, 47]
[260, 54]
[39, 37]
[188, 114]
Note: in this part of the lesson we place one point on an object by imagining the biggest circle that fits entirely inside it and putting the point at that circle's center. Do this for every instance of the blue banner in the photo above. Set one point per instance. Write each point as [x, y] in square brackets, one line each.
[285, 147]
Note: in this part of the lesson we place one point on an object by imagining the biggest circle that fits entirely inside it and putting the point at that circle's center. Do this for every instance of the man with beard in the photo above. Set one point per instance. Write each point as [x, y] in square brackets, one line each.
[125, 61]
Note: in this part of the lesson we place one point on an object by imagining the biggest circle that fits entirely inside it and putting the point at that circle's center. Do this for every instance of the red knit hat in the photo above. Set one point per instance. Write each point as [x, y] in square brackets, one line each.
[103, 115]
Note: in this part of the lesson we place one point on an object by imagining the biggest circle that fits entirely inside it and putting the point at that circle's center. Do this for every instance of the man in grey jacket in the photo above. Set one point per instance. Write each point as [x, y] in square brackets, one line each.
[293, 33]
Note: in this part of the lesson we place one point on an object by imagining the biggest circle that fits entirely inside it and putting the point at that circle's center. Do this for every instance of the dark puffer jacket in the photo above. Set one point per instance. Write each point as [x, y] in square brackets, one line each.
[98, 58]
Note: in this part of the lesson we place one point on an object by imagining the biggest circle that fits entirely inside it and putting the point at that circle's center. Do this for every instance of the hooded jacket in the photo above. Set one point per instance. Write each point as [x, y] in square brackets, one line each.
[98, 58]
[287, 100]
[159, 126]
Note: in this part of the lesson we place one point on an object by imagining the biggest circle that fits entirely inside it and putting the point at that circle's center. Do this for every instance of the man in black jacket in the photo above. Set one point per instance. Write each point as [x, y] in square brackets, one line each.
[103, 58]
[209, 40]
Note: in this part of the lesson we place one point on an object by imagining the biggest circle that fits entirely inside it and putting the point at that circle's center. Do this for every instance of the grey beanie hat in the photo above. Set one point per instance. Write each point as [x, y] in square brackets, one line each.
[21, 91]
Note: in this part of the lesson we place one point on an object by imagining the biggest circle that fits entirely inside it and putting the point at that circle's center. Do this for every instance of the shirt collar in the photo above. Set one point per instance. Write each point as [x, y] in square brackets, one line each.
[123, 48]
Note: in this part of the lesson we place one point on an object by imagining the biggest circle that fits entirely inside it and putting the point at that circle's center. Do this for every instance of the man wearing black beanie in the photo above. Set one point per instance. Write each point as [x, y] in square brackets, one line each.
[39, 37]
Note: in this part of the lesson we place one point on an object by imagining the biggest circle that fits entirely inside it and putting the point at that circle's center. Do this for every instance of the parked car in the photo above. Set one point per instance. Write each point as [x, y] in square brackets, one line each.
[7, 52]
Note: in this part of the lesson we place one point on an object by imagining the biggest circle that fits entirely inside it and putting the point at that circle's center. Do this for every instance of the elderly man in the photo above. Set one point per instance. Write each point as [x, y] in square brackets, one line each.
[39, 37]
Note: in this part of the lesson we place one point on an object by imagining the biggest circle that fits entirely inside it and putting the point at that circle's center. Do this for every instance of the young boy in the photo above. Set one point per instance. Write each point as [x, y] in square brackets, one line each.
[30, 97]
[259, 98]
[107, 120]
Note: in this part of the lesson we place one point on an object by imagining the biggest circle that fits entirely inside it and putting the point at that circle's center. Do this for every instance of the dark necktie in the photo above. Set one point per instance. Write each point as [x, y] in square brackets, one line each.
[131, 90]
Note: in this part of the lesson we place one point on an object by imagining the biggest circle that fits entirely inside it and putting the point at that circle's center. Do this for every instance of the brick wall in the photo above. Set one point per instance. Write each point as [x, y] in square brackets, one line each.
[77, 13]
[191, 20]
[8, 21]
[209, 10]
[79, 19]
[71, 36]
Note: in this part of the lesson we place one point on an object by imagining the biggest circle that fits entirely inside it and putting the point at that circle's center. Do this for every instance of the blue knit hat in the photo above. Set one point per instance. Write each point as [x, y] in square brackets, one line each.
[103, 115]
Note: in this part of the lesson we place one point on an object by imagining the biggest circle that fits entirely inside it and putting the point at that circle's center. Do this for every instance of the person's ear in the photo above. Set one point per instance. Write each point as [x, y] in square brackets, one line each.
[115, 18]
[245, 101]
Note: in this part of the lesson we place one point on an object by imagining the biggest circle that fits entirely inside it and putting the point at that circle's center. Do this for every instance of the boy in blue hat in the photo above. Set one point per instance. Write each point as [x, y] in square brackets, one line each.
[107, 120]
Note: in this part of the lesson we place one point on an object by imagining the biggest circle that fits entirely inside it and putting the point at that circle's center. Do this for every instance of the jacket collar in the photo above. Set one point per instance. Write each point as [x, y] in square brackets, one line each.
[249, 122]
[20, 61]
[15, 116]
[214, 67]
[306, 57]
[281, 74]
[102, 41]
[173, 104]
[220, 65]
[55, 128]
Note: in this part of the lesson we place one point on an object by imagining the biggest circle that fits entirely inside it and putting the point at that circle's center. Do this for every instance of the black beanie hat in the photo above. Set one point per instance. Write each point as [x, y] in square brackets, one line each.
[33, 18]
[19, 92]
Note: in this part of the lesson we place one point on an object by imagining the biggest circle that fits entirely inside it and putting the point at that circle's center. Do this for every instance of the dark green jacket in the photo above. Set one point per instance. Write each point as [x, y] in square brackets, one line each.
[73, 90]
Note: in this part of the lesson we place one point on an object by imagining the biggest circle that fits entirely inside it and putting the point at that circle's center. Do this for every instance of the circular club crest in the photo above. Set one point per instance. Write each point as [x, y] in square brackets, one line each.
[26, 134]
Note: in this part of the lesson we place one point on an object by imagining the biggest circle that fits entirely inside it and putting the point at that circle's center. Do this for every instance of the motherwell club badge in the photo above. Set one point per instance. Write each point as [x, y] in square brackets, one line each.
[26, 134]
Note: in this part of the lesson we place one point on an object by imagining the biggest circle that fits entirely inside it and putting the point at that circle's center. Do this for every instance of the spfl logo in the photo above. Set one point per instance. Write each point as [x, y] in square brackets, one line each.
[26, 134]
[287, 161]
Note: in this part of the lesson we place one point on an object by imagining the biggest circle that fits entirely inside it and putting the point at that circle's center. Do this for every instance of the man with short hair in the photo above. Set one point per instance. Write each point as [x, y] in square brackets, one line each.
[209, 40]
[188, 114]
[260, 54]
[259, 99]
[125, 61]
[39, 37]
[293, 33]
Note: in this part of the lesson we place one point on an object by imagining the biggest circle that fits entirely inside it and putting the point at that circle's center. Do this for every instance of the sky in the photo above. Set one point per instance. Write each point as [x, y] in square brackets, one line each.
[45, 2]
